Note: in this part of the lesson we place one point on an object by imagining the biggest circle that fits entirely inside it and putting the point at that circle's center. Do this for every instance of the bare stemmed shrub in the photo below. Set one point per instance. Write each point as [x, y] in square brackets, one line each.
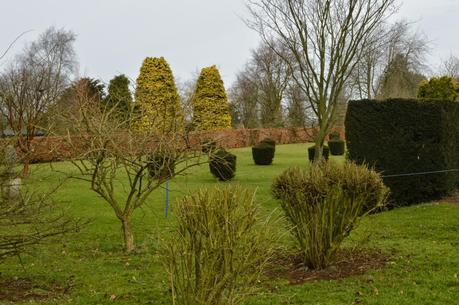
[123, 161]
[324, 203]
[27, 217]
[218, 249]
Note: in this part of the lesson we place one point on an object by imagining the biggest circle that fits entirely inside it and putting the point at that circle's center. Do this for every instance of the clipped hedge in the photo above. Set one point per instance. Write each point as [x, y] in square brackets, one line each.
[336, 147]
[223, 165]
[404, 136]
[269, 141]
[312, 152]
[263, 153]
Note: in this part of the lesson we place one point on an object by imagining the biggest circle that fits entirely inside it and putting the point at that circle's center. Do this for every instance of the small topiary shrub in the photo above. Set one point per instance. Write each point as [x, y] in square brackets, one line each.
[269, 141]
[161, 166]
[336, 147]
[223, 165]
[334, 136]
[263, 153]
[208, 146]
[312, 152]
[218, 250]
[324, 203]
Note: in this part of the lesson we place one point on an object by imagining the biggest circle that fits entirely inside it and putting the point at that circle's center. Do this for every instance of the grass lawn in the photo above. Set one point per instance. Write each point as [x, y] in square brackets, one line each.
[423, 243]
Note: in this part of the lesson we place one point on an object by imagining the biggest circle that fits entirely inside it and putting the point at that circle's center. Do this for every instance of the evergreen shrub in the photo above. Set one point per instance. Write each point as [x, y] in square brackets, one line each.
[407, 137]
[312, 152]
[223, 165]
[336, 147]
[263, 153]
[208, 146]
[269, 141]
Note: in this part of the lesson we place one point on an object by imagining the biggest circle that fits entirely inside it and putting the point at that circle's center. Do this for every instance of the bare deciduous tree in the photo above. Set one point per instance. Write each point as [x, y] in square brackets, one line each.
[123, 165]
[326, 39]
[243, 97]
[272, 75]
[186, 91]
[388, 45]
[260, 87]
[33, 82]
[450, 67]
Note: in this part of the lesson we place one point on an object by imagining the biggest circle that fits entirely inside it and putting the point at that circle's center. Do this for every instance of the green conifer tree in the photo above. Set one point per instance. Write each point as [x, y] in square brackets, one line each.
[157, 97]
[119, 96]
[445, 88]
[210, 103]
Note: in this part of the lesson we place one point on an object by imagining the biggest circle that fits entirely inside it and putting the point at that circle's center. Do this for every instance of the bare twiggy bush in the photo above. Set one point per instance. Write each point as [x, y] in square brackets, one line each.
[324, 204]
[218, 249]
[27, 217]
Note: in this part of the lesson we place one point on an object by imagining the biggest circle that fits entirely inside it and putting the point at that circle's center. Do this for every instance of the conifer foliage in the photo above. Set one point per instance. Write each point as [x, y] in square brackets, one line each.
[157, 96]
[210, 103]
[119, 96]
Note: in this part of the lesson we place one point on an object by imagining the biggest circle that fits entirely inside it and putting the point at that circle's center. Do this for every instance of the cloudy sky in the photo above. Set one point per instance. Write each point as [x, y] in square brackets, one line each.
[113, 36]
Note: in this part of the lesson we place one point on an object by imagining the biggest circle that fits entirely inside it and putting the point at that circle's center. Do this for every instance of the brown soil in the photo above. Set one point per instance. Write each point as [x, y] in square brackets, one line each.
[15, 290]
[290, 267]
[453, 199]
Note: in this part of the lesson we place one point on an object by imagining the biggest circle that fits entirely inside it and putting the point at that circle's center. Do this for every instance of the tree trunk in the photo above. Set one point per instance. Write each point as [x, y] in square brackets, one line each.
[319, 144]
[26, 169]
[127, 235]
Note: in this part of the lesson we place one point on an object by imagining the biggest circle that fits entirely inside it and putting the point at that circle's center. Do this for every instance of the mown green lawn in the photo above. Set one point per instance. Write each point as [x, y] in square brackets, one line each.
[423, 242]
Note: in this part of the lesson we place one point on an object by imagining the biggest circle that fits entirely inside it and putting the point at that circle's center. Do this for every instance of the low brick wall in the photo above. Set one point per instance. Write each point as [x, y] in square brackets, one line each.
[47, 149]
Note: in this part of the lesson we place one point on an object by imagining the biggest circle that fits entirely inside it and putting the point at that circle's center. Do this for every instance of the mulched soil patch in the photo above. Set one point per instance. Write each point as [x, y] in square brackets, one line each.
[452, 199]
[290, 267]
[16, 290]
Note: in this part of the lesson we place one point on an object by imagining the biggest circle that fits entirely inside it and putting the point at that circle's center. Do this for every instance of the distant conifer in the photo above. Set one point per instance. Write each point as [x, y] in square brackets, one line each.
[210, 103]
[157, 97]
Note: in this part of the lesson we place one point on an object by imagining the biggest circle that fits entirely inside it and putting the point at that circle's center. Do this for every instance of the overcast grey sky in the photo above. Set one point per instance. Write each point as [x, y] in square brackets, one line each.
[114, 36]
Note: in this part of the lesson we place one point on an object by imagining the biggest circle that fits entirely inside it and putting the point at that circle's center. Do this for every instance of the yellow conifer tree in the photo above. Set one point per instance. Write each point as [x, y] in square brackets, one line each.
[210, 103]
[157, 97]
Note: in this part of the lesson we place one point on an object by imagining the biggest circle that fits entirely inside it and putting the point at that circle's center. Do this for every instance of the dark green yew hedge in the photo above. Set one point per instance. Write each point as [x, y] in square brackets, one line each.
[406, 136]
[263, 153]
[336, 147]
[312, 152]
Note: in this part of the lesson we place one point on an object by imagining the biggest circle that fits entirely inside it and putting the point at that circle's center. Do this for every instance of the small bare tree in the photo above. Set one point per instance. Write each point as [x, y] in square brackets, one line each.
[326, 38]
[33, 83]
[123, 165]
